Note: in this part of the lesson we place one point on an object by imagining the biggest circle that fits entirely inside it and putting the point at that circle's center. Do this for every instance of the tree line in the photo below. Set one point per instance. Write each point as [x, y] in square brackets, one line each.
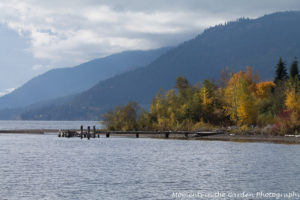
[238, 99]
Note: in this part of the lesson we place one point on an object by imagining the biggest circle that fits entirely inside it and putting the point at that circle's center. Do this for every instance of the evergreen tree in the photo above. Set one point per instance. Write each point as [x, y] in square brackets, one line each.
[281, 74]
[294, 72]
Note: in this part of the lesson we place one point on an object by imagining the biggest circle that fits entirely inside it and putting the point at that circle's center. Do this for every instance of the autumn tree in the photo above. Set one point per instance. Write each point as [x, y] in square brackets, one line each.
[246, 112]
[292, 102]
[182, 84]
[264, 89]
[265, 102]
[239, 97]
[293, 95]
[122, 117]
[208, 100]
[225, 76]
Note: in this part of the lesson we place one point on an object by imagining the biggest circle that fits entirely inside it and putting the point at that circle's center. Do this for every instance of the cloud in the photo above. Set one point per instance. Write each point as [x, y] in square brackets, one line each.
[69, 32]
[7, 91]
[39, 67]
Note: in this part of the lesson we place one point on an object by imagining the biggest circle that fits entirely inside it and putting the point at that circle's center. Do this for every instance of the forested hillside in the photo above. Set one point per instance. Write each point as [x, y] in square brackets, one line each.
[246, 42]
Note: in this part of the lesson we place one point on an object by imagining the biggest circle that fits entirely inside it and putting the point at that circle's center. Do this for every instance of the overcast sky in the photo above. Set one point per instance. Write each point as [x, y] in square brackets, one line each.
[38, 35]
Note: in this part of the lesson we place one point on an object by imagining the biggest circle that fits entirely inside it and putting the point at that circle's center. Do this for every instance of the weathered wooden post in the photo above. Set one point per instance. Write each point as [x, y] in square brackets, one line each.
[88, 133]
[81, 131]
[167, 135]
[94, 129]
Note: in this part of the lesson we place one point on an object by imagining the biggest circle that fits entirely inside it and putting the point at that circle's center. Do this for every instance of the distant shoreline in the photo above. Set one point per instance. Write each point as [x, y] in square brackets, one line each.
[288, 139]
[227, 137]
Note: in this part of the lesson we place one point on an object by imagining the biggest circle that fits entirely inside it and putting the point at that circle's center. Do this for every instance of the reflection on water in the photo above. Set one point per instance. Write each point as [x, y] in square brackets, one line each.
[48, 167]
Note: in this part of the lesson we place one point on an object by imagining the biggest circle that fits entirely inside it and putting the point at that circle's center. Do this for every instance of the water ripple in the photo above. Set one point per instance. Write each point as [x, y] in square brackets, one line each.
[47, 167]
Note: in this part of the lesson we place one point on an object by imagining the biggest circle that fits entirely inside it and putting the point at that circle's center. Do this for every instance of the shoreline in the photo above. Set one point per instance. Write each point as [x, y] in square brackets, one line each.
[229, 137]
[288, 139]
[254, 138]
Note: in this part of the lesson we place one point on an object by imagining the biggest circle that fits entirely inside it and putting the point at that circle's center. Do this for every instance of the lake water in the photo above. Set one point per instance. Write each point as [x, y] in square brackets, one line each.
[47, 167]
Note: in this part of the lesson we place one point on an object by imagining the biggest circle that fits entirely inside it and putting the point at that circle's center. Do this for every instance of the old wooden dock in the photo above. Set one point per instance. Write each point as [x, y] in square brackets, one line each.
[94, 133]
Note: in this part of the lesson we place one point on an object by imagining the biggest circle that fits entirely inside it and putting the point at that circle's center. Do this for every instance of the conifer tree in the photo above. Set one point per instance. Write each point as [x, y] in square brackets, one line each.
[281, 74]
[294, 72]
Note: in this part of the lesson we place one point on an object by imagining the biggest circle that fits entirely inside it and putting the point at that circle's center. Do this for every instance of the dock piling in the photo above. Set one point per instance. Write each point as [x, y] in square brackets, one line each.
[88, 133]
[94, 130]
[167, 135]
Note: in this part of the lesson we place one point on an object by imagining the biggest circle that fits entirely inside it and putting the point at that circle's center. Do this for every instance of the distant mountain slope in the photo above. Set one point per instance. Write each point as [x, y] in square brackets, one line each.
[258, 43]
[65, 81]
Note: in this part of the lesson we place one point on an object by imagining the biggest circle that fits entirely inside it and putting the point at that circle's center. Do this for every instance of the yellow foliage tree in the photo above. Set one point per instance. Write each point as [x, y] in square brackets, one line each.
[206, 98]
[292, 101]
[263, 89]
[231, 97]
[246, 111]
[239, 100]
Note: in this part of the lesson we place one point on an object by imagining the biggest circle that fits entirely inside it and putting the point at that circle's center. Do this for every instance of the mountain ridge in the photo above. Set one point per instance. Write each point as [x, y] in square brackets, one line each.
[246, 42]
[67, 81]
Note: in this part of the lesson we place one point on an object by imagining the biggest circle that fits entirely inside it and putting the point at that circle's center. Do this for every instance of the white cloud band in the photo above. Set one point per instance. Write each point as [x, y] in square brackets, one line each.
[71, 32]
